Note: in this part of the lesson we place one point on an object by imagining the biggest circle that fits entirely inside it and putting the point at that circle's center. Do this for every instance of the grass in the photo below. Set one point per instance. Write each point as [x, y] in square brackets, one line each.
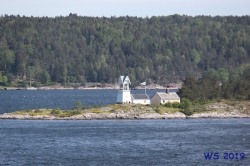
[222, 106]
[48, 112]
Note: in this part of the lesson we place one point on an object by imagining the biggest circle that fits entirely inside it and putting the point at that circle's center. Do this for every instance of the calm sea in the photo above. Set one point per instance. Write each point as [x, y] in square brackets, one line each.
[13, 100]
[125, 142]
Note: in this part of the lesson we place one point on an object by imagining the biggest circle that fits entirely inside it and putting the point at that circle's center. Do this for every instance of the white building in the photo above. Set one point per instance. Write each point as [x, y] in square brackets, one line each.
[140, 99]
[165, 97]
[124, 95]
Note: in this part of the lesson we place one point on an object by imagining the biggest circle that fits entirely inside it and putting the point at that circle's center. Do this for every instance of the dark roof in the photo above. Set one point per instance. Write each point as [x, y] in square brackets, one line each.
[140, 96]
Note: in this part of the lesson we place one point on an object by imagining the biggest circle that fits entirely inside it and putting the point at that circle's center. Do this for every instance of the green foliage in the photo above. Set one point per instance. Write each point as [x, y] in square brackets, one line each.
[4, 80]
[186, 103]
[173, 105]
[158, 110]
[93, 49]
[44, 77]
[186, 106]
[1, 77]
[38, 111]
[60, 113]
[223, 74]
[96, 111]
[176, 105]
[78, 106]
[76, 112]
[207, 88]
[187, 112]
[195, 56]
[56, 111]
[168, 104]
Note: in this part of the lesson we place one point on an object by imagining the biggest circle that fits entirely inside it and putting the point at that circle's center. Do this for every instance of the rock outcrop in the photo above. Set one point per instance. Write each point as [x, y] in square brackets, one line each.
[89, 116]
[133, 111]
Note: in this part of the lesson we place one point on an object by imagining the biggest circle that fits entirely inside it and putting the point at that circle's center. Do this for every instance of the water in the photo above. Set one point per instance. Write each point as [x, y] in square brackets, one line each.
[64, 99]
[123, 142]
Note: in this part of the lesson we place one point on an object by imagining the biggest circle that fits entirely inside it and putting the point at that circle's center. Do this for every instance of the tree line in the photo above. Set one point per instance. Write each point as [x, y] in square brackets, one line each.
[98, 49]
[210, 88]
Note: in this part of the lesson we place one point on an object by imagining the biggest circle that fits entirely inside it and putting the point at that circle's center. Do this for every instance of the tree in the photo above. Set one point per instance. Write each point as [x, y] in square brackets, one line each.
[4, 80]
[224, 75]
[44, 77]
[186, 103]
[1, 77]
[78, 105]
[186, 106]
[195, 56]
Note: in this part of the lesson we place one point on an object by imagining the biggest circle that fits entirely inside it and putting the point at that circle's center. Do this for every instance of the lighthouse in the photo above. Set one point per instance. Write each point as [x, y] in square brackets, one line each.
[124, 95]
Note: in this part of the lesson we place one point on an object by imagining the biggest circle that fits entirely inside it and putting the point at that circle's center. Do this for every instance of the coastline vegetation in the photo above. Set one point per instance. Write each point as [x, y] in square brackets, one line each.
[208, 89]
[223, 106]
[165, 49]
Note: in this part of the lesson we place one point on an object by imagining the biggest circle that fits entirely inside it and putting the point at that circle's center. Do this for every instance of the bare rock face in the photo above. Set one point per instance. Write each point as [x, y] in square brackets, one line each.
[89, 116]
[219, 115]
[222, 110]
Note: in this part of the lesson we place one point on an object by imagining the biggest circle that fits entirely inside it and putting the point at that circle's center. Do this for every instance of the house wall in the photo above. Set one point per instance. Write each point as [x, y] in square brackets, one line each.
[155, 100]
[140, 101]
[171, 101]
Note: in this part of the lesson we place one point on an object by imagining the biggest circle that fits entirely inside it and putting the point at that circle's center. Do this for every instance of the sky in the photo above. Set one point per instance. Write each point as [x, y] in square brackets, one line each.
[139, 8]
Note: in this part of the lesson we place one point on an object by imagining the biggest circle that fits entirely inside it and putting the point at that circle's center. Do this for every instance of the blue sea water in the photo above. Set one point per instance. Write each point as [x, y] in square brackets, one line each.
[124, 142]
[13, 100]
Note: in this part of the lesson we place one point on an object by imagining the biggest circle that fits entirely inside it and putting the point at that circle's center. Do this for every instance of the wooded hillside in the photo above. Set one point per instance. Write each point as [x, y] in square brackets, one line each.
[91, 49]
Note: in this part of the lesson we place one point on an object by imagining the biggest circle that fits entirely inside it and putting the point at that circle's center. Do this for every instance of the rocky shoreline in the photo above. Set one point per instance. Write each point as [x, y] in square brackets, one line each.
[94, 116]
[130, 111]
[90, 116]
[90, 86]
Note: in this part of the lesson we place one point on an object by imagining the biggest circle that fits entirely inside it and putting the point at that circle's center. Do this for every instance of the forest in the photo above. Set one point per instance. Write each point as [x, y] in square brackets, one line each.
[209, 88]
[162, 49]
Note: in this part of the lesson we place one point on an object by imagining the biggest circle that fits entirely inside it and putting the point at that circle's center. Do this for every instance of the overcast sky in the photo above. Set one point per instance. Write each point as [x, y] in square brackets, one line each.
[140, 8]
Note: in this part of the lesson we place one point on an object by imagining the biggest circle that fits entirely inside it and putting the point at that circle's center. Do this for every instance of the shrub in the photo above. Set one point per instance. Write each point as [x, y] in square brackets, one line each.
[168, 104]
[96, 111]
[186, 103]
[37, 111]
[157, 110]
[78, 105]
[176, 105]
[77, 112]
[56, 111]
[187, 112]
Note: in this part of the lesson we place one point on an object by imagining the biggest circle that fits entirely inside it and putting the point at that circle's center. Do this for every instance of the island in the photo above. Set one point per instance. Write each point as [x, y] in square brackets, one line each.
[222, 109]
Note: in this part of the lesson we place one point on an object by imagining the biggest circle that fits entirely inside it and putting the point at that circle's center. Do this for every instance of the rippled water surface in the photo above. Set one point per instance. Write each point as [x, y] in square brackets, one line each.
[13, 100]
[123, 142]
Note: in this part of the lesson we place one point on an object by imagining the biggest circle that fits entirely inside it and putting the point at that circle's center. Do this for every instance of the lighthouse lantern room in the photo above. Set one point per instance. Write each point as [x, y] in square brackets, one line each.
[124, 95]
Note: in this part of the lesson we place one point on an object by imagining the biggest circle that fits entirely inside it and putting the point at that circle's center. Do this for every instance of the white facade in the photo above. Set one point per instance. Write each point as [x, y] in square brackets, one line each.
[124, 95]
[162, 98]
[140, 99]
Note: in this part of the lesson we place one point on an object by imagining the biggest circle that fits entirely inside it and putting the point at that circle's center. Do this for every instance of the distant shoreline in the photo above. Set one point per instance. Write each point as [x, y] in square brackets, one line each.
[44, 88]
[92, 86]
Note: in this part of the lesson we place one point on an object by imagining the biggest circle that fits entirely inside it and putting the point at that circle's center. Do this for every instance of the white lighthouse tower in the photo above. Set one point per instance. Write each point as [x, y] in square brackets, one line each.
[124, 95]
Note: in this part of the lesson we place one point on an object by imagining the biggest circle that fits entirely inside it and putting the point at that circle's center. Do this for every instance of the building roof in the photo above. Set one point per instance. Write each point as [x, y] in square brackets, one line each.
[168, 96]
[122, 79]
[140, 96]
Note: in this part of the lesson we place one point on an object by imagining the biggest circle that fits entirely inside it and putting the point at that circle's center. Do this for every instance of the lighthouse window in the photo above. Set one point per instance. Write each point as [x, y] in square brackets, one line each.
[125, 86]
